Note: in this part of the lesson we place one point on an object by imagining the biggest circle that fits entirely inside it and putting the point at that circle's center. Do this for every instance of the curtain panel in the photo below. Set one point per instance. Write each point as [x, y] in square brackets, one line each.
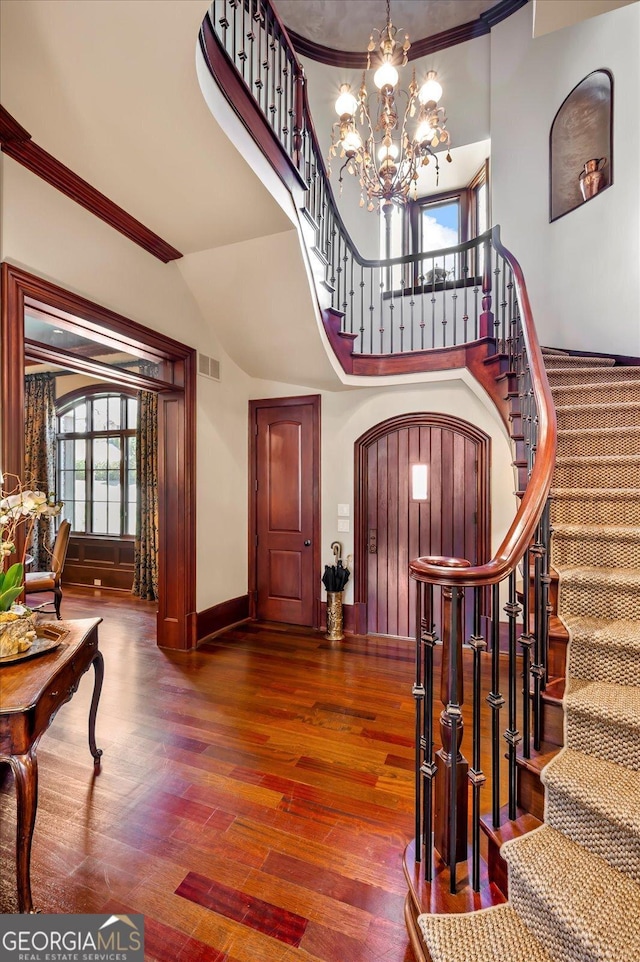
[40, 457]
[145, 578]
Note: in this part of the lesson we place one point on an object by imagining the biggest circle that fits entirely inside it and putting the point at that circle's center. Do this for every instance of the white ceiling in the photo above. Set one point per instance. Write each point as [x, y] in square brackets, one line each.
[109, 87]
[347, 26]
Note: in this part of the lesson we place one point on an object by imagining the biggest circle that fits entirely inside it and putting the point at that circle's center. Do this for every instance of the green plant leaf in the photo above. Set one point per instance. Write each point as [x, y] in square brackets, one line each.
[13, 576]
[8, 597]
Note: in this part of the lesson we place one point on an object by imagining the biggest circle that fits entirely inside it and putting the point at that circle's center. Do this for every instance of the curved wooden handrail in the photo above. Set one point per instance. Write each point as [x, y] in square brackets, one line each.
[522, 529]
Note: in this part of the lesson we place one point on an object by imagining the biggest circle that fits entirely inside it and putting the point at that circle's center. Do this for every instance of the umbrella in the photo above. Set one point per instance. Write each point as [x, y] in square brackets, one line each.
[335, 576]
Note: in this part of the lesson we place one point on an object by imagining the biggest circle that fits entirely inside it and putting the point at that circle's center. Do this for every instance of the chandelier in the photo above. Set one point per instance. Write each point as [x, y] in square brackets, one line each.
[388, 167]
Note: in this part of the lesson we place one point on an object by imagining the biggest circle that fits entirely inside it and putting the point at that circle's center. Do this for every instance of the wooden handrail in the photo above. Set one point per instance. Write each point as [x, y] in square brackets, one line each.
[522, 529]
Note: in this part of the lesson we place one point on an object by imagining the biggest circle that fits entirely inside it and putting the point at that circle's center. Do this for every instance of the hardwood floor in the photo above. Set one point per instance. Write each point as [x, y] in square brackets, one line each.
[255, 796]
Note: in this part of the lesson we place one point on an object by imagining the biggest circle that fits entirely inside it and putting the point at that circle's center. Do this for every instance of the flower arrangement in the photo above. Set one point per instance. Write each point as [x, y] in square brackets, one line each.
[19, 506]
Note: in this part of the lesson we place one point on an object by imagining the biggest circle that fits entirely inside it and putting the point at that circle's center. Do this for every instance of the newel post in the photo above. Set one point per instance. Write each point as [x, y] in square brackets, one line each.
[450, 768]
[486, 317]
[451, 810]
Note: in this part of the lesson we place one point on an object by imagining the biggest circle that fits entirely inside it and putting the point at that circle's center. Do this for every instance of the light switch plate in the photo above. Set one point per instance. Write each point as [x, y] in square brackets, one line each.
[344, 510]
[343, 524]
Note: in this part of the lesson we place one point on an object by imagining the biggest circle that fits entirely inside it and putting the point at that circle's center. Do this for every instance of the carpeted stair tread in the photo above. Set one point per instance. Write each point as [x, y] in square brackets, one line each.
[615, 634]
[618, 704]
[599, 592]
[618, 506]
[489, 935]
[577, 441]
[623, 413]
[604, 719]
[599, 545]
[553, 360]
[591, 374]
[574, 902]
[595, 803]
[604, 650]
[595, 470]
[597, 392]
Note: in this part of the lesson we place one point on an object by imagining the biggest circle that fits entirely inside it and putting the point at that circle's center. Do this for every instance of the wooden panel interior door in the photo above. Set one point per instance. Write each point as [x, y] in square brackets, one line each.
[400, 527]
[286, 510]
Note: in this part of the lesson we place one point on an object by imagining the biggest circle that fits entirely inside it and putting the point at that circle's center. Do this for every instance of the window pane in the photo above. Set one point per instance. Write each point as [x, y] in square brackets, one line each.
[67, 422]
[99, 517]
[132, 412]
[114, 519]
[100, 412]
[67, 479]
[114, 493]
[481, 209]
[131, 518]
[80, 455]
[66, 455]
[80, 411]
[114, 413]
[79, 523]
[440, 226]
[113, 452]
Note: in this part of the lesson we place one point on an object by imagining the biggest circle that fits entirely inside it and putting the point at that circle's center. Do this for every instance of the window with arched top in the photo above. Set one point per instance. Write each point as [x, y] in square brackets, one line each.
[96, 439]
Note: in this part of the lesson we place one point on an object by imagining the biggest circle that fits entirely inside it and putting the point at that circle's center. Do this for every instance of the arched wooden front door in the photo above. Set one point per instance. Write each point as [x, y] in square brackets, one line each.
[396, 521]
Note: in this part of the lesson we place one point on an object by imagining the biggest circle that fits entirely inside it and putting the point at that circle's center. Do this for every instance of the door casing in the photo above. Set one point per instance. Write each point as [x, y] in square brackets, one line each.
[313, 400]
[482, 482]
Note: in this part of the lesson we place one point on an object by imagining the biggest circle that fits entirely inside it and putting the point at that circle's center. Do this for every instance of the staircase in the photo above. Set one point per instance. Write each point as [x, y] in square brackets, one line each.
[574, 882]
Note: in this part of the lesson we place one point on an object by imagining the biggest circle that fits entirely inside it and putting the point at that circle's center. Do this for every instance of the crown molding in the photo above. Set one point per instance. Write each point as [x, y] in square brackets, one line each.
[357, 59]
[16, 142]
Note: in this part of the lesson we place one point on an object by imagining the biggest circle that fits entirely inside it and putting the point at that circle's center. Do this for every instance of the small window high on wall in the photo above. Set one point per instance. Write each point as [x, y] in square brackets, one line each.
[97, 463]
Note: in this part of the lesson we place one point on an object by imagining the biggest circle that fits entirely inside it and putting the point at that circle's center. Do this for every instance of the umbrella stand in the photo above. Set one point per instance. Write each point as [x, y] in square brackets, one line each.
[334, 579]
[334, 616]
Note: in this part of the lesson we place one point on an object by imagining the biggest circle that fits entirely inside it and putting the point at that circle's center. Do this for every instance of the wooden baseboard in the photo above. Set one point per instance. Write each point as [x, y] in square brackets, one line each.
[222, 616]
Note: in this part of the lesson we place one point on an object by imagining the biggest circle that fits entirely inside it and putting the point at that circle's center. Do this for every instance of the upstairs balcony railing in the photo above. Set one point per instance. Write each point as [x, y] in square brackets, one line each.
[418, 302]
[424, 302]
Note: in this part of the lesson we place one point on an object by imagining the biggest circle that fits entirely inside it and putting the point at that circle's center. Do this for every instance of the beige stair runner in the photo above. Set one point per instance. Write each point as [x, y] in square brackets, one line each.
[574, 883]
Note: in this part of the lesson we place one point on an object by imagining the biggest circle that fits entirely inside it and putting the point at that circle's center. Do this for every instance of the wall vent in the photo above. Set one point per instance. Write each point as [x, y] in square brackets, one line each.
[208, 367]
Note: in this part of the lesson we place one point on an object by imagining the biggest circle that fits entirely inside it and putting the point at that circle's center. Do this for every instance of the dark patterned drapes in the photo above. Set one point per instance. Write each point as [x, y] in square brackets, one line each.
[40, 457]
[145, 578]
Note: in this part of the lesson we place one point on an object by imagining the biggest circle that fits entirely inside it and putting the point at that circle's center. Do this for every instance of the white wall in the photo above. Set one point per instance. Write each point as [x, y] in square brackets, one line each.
[581, 271]
[49, 235]
[345, 415]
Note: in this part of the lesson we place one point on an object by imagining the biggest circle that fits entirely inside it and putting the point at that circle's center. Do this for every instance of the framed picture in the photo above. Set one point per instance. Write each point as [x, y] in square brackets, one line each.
[581, 145]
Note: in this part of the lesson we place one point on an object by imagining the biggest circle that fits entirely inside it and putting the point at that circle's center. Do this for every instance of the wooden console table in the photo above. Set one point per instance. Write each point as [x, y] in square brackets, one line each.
[31, 692]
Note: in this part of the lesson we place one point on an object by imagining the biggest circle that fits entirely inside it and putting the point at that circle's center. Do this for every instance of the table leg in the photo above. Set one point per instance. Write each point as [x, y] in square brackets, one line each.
[98, 667]
[25, 770]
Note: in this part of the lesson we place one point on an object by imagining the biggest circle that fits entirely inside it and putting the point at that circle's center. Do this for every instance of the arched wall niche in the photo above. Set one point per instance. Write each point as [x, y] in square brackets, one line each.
[581, 144]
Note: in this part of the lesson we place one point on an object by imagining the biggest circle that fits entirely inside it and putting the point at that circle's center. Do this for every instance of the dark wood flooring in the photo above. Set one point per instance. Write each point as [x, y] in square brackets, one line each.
[255, 796]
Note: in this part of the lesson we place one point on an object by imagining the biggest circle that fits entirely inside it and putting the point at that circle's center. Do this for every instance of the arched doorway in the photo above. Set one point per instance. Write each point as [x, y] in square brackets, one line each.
[421, 487]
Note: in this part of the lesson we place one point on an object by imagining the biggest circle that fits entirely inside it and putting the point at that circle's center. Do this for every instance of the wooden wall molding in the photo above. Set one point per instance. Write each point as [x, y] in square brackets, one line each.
[176, 432]
[222, 616]
[357, 59]
[17, 143]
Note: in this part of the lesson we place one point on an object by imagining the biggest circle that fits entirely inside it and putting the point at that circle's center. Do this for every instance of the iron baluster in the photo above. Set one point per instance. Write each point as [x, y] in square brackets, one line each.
[512, 735]
[476, 775]
[537, 669]
[496, 701]
[428, 767]
[526, 641]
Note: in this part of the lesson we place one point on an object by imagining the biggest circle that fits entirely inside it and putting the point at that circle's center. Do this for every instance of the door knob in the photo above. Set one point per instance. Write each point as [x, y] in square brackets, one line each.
[307, 543]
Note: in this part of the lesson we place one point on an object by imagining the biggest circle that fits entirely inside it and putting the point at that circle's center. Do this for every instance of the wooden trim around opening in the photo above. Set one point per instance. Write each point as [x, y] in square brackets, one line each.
[176, 432]
[16, 143]
[254, 406]
[483, 489]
